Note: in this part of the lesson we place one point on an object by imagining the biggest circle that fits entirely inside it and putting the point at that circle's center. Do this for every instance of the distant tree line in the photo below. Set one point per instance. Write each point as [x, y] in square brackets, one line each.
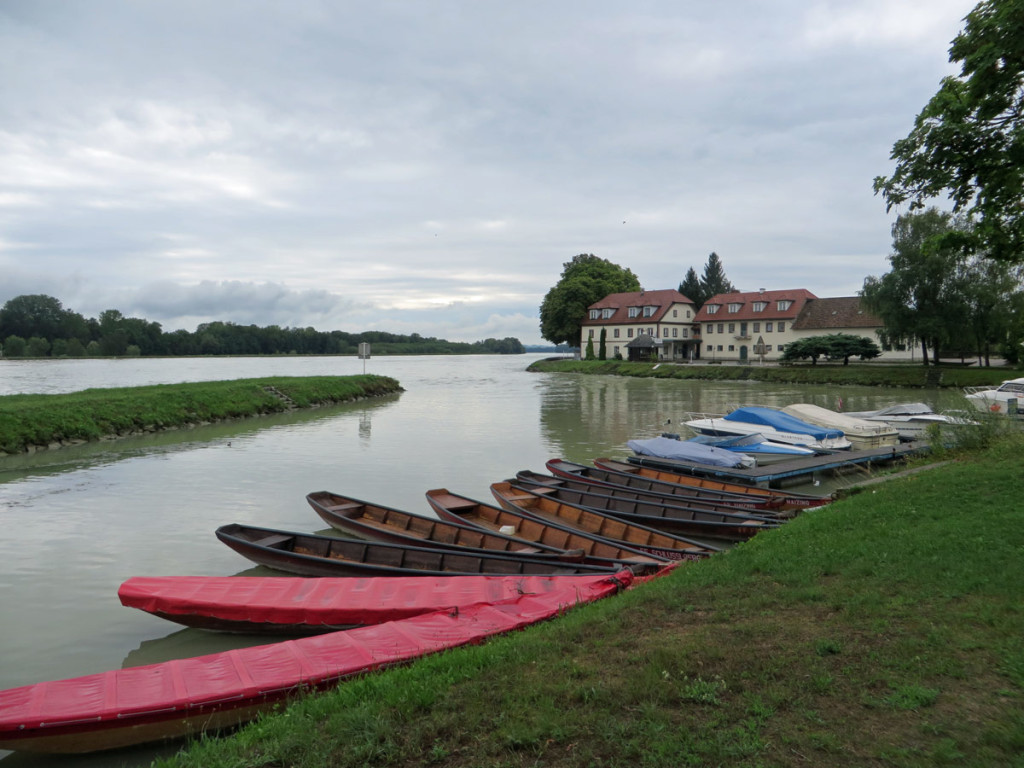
[39, 326]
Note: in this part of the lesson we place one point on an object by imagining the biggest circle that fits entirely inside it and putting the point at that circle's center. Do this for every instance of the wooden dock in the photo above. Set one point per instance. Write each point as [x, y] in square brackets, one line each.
[780, 474]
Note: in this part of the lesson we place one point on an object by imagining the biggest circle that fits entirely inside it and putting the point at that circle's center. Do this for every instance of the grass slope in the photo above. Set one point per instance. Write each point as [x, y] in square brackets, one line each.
[882, 631]
[30, 420]
[869, 375]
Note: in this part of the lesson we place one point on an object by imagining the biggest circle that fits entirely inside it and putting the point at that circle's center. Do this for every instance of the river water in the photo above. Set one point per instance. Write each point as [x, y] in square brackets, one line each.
[78, 521]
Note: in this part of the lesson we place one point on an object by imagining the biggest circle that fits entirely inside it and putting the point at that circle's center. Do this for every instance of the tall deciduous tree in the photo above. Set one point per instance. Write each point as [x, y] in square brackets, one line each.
[968, 141]
[584, 280]
[714, 281]
[914, 297]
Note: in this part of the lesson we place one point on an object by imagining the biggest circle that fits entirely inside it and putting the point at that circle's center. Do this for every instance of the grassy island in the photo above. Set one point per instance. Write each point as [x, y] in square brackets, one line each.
[31, 421]
[869, 375]
[883, 630]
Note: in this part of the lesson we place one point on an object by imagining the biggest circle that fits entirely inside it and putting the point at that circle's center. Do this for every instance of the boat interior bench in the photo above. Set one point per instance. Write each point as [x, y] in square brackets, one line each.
[454, 503]
[272, 541]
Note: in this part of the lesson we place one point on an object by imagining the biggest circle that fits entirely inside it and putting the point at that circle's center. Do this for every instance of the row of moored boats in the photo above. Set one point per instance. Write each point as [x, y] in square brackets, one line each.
[400, 585]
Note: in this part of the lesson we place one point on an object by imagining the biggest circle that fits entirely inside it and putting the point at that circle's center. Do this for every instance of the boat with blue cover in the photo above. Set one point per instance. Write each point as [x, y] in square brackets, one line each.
[774, 425]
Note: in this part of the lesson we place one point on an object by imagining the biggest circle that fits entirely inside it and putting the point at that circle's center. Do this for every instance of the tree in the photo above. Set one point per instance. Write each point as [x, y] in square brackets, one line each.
[811, 347]
[585, 280]
[714, 281]
[14, 346]
[843, 346]
[912, 299]
[691, 289]
[590, 349]
[38, 347]
[43, 316]
[968, 141]
[602, 348]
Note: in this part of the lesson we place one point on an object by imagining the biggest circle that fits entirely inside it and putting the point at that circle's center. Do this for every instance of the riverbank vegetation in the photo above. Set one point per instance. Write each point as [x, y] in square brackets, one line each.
[873, 375]
[39, 326]
[29, 421]
[882, 630]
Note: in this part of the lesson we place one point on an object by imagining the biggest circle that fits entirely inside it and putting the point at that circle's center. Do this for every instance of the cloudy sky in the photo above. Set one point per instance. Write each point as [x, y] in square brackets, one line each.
[429, 166]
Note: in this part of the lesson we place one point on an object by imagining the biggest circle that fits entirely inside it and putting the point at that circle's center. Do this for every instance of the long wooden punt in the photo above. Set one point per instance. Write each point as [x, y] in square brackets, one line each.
[456, 508]
[790, 499]
[297, 605]
[761, 505]
[372, 521]
[311, 555]
[184, 697]
[642, 537]
[653, 511]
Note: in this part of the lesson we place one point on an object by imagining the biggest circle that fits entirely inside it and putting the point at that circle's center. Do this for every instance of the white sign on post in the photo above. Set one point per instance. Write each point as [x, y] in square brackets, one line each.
[364, 353]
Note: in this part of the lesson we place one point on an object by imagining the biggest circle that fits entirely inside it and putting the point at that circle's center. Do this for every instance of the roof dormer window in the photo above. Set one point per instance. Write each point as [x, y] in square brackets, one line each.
[784, 304]
[712, 308]
[649, 311]
[607, 312]
[634, 311]
[759, 306]
[595, 313]
[734, 307]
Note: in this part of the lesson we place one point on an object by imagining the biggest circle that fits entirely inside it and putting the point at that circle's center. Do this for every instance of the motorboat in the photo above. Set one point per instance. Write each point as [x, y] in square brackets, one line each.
[911, 420]
[1007, 399]
[763, 450]
[774, 425]
[861, 433]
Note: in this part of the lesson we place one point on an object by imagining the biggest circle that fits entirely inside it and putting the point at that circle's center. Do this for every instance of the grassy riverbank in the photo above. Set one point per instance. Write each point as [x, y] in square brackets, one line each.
[29, 421]
[871, 375]
[883, 630]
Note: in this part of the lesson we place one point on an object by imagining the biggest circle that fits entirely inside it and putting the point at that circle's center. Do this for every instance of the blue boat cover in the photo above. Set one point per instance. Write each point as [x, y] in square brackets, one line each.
[669, 448]
[781, 421]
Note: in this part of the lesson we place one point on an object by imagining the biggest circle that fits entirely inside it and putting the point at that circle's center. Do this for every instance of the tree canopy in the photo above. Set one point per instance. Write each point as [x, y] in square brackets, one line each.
[834, 346]
[968, 141]
[585, 280]
[711, 283]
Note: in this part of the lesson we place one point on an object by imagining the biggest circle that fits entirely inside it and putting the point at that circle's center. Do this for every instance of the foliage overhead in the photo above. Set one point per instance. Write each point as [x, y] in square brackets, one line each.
[968, 141]
[585, 280]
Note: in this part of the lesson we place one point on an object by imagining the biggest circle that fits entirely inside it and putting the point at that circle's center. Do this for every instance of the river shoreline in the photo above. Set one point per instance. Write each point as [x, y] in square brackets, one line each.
[32, 423]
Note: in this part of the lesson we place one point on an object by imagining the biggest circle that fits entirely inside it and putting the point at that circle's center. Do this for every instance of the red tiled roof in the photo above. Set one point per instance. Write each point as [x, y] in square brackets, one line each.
[799, 297]
[621, 302]
[842, 312]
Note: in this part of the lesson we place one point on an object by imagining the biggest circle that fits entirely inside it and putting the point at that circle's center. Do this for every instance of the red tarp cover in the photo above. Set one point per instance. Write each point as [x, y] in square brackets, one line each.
[174, 690]
[330, 601]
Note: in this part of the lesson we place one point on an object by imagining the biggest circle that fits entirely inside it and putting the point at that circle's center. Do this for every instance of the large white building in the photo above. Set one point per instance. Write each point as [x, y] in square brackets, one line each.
[659, 324]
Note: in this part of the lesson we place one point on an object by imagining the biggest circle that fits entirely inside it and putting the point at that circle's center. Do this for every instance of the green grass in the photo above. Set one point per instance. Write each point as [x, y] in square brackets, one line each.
[92, 414]
[883, 630]
[872, 374]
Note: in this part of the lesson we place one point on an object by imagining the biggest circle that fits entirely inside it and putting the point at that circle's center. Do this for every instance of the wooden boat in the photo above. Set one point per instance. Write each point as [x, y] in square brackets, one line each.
[761, 505]
[642, 537]
[299, 605]
[664, 513]
[861, 433]
[372, 521]
[790, 499]
[456, 508]
[307, 554]
[185, 697]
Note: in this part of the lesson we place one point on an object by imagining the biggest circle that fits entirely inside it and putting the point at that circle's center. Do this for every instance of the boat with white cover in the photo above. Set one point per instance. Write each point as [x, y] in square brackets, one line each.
[774, 425]
[861, 433]
[912, 420]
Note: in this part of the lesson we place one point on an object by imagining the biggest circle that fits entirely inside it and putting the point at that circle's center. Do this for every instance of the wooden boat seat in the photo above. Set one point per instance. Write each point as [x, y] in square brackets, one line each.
[454, 503]
[342, 507]
[270, 541]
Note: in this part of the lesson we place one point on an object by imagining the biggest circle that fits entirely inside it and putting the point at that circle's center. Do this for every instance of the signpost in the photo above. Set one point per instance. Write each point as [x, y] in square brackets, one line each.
[364, 353]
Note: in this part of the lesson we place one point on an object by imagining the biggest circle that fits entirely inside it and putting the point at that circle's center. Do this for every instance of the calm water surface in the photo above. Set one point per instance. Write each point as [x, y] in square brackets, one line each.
[79, 521]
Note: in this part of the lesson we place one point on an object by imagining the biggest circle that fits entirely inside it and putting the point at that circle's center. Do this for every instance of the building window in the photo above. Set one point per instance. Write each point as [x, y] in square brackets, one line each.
[649, 311]
[615, 333]
[595, 313]
[711, 328]
[686, 333]
[757, 327]
[781, 347]
[734, 307]
[675, 333]
[687, 314]
[629, 333]
[768, 347]
[759, 306]
[710, 348]
[675, 313]
[732, 327]
[782, 327]
[712, 308]
[784, 304]
[591, 332]
[634, 311]
[617, 354]
[719, 347]
[721, 328]
[607, 312]
[767, 327]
